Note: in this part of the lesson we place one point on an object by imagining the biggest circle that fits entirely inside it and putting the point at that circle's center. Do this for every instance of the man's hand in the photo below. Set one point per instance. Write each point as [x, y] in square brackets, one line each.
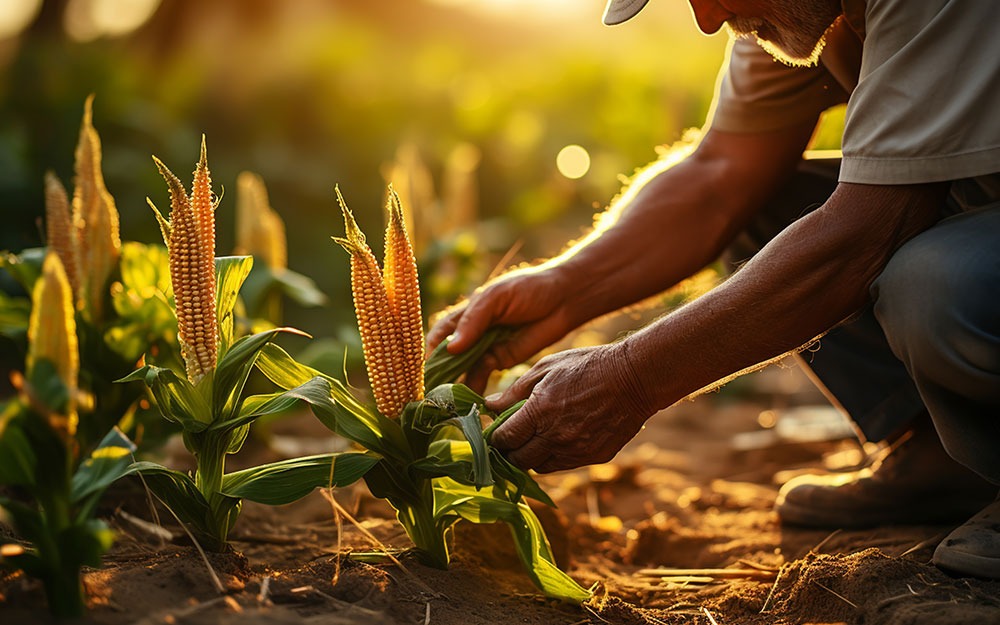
[533, 302]
[582, 406]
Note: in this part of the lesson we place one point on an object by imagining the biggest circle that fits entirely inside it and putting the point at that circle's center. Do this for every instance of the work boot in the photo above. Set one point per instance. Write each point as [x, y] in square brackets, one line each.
[973, 548]
[916, 483]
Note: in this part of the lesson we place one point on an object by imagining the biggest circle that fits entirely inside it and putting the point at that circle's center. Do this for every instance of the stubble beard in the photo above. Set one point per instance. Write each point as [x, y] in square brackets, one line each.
[796, 32]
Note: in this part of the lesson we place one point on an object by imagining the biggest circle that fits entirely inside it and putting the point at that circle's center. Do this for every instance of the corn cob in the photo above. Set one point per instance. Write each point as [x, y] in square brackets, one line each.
[60, 229]
[190, 239]
[384, 302]
[403, 289]
[260, 232]
[52, 338]
[99, 241]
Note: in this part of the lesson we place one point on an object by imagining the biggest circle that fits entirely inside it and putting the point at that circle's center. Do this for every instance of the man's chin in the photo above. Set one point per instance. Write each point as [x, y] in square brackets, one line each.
[793, 57]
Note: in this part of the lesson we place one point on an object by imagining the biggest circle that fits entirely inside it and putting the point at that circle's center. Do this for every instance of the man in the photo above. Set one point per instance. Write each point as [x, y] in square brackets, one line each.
[897, 267]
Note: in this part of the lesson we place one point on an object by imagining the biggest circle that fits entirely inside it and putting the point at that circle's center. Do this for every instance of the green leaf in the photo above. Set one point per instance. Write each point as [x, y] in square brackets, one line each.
[442, 367]
[283, 482]
[454, 398]
[47, 386]
[84, 543]
[17, 458]
[144, 313]
[446, 458]
[178, 492]
[234, 368]
[472, 428]
[230, 272]
[503, 416]
[524, 484]
[317, 390]
[177, 399]
[26, 520]
[106, 464]
[340, 411]
[239, 437]
[299, 288]
[464, 404]
[15, 313]
[24, 267]
[265, 281]
[529, 538]
[144, 268]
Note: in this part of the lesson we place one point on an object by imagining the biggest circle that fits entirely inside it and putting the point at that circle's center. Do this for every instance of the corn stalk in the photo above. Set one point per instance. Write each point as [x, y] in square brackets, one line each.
[435, 465]
[40, 456]
[207, 400]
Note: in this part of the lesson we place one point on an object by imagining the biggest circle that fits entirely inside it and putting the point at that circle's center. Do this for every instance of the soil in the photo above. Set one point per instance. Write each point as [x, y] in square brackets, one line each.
[694, 491]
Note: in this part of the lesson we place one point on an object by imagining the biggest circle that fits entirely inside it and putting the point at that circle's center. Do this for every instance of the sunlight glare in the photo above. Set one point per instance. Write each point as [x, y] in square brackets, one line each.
[86, 20]
[15, 15]
[523, 8]
[573, 161]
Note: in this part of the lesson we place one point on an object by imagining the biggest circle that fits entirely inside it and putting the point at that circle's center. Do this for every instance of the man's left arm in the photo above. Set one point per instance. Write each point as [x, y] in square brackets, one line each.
[586, 404]
[812, 276]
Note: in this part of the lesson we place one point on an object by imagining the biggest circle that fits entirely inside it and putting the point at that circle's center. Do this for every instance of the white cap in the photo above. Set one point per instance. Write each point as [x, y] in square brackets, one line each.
[619, 11]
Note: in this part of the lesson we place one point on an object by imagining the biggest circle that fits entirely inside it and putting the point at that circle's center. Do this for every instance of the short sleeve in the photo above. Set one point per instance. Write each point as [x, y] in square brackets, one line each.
[927, 104]
[758, 94]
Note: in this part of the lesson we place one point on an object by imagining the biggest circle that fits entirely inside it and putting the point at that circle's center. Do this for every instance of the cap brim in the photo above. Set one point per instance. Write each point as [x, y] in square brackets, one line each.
[619, 11]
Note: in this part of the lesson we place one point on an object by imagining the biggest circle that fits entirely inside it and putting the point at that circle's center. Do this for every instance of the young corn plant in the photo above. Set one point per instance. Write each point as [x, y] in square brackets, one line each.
[51, 491]
[435, 464]
[207, 399]
[115, 290]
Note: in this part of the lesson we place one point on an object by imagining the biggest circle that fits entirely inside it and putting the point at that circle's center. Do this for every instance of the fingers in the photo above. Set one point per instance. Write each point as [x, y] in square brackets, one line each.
[470, 325]
[535, 453]
[519, 436]
[516, 430]
[478, 375]
[516, 349]
[443, 328]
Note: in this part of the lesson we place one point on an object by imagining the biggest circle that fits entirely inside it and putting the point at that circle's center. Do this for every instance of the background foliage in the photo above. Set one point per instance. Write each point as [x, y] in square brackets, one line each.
[309, 93]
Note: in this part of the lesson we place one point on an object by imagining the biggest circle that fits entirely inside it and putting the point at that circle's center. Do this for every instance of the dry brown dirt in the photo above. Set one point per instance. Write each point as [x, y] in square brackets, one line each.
[684, 495]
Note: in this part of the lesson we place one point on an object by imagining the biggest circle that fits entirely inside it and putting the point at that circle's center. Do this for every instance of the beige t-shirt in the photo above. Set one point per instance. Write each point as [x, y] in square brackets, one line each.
[922, 91]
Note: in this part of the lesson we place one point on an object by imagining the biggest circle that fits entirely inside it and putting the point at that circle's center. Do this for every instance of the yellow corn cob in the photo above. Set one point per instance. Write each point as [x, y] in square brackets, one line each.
[260, 232]
[52, 336]
[99, 242]
[190, 239]
[60, 231]
[377, 322]
[402, 287]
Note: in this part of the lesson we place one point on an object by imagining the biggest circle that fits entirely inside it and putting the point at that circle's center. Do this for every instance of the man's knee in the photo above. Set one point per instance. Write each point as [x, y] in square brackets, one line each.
[938, 301]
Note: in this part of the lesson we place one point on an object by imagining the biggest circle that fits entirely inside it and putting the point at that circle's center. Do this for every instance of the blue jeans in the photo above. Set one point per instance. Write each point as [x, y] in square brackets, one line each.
[929, 342]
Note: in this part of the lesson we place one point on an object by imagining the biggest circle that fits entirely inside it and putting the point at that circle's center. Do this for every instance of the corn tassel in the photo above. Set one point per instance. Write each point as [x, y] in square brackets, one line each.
[99, 241]
[260, 232]
[61, 231]
[403, 289]
[190, 239]
[384, 302]
[52, 338]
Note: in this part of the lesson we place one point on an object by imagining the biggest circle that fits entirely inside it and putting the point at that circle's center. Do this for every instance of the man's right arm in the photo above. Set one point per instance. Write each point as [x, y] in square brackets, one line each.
[671, 222]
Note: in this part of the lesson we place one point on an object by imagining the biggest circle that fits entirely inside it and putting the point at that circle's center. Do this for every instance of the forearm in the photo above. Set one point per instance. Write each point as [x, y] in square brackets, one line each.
[673, 220]
[669, 223]
[811, 277]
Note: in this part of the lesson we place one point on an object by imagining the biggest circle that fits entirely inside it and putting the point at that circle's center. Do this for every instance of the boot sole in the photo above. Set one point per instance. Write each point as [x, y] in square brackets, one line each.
[965, 563]
[812, 517]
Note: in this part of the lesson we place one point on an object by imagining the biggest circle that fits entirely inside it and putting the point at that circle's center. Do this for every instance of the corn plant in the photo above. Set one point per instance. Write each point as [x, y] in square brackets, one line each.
[435, 464]
[51, 494]
[206, 400]
[116, 289]
[260, 232]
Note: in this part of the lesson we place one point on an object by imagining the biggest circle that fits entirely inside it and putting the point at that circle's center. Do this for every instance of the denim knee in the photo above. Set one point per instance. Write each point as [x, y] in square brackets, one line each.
[938, 301]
